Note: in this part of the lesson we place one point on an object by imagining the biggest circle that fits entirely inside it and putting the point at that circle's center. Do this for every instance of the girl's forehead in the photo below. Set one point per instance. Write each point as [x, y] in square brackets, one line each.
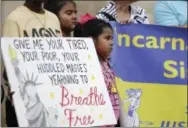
[68, 5]
[107, 30]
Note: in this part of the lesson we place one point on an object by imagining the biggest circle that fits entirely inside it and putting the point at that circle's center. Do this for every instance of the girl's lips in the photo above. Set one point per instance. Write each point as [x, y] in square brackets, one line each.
[110, 49]
[74, 22]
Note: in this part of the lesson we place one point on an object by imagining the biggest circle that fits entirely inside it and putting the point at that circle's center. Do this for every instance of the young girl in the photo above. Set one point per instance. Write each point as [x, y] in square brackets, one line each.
[66, 11]
[102, 34]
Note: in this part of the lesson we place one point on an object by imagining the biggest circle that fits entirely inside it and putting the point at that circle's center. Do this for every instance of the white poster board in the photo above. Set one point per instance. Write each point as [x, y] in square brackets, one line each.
[57, 82]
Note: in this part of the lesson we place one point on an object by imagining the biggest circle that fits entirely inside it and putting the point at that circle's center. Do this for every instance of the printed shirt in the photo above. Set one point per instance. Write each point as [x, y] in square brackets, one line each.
[109, 78]
[108, 13]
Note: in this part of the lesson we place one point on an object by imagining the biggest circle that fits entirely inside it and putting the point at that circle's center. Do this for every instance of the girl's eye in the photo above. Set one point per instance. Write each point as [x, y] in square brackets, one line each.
[109, 37]
[69, 12]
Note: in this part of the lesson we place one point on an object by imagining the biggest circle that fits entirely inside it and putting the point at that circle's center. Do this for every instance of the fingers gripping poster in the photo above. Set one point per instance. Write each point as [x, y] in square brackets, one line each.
[57, 82]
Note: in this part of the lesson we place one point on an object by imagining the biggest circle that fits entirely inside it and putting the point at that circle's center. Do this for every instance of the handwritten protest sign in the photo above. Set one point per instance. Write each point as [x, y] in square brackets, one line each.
[150, 64]
[57, 82]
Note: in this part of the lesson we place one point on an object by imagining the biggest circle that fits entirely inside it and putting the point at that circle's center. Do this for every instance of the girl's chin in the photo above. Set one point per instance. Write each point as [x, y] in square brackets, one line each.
[108, 56]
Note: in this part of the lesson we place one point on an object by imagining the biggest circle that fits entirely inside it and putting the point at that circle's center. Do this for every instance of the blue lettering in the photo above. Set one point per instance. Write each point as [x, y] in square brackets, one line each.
[174, 124]
[162, 124]
[181, 124]
[168, 124]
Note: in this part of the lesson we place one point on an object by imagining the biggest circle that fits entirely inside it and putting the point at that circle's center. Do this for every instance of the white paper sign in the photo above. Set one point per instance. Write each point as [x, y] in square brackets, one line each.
[57, 82]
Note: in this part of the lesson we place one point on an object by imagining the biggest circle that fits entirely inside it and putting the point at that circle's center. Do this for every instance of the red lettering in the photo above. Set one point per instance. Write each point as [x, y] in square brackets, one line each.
[102, 100]
[70, 118]
[96, 96]
[85, 101]
[72, 100]
[64, 97]
[93, 98]
[84, 121]
[80, 100]
[90, 120]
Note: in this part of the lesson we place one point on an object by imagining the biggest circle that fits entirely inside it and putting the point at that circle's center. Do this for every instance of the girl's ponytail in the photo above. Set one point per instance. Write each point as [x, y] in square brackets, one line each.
[78, 30]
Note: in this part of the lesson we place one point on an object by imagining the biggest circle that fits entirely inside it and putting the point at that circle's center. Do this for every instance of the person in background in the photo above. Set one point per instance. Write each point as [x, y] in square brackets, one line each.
[31, 20]
[102, 35]
[171, 13]
[28, 20]
[123, 12]
[66, 11]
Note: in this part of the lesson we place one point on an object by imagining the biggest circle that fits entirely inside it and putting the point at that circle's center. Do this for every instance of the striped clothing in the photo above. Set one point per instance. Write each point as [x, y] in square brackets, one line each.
[108, 13]
[109, 78]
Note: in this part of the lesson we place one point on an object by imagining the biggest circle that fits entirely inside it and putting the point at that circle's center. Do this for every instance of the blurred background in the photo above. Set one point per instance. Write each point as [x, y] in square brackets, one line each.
[83, 7]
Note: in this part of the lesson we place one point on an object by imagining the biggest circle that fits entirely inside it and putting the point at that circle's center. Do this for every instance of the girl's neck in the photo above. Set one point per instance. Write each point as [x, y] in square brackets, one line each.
[101, 59]
[66, 33]
[35, 7]
[123, 7]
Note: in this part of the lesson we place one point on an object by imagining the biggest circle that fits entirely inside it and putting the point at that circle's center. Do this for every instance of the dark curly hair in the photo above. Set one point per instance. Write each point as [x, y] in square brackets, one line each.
[92, 28]
[55, 6]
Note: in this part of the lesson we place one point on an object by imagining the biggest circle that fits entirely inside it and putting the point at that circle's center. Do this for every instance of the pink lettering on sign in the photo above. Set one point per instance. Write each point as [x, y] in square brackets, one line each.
[92, 99]
[74, 120]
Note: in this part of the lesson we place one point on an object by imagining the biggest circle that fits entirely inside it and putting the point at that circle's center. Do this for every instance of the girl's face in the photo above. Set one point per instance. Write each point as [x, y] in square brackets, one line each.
[68, 16]
[104, 43]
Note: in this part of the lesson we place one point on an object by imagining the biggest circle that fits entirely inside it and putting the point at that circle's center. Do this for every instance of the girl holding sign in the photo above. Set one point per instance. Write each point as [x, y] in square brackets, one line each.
[103, 39]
